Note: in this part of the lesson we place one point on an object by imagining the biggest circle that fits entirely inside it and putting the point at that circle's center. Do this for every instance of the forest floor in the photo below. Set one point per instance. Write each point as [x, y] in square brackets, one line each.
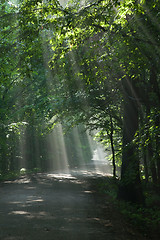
[59, 207]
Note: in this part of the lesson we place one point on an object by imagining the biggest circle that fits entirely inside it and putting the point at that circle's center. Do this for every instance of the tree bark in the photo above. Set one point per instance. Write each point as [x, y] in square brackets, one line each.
[112, 147]
[3, 151]
[152, 163]
[145, 166]
[158, 152]
[130, 188]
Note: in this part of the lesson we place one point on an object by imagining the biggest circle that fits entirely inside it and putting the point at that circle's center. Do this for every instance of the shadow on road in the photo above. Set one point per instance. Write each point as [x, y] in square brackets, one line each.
[54, 206]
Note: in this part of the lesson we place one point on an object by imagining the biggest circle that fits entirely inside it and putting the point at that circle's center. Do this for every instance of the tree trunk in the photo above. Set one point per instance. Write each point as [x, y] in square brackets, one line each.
[145, 166]
[158, 169]
[113, 157]
[3, 151]
[152, 163]
[130, 188]
[158, 152]
[112, 147]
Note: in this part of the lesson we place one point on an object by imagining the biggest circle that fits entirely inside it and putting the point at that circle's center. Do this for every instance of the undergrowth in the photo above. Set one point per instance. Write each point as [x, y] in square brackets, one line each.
[145, 219]
[11, 175]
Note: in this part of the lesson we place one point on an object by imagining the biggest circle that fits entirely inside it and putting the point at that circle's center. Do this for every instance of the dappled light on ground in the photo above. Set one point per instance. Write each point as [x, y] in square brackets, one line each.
[60, 176]
[57, 206]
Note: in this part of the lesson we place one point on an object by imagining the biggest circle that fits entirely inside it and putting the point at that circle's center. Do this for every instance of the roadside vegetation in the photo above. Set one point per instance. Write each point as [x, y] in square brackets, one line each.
[146, 219]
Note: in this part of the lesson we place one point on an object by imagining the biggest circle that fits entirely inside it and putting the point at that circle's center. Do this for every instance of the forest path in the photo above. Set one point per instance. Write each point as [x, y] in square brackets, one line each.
[54, 207]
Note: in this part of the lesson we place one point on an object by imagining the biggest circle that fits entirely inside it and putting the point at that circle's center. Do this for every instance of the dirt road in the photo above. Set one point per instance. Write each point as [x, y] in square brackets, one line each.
[54, 207]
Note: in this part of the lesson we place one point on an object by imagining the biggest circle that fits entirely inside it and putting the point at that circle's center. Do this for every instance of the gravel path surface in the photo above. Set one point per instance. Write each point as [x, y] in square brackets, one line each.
[58, 207]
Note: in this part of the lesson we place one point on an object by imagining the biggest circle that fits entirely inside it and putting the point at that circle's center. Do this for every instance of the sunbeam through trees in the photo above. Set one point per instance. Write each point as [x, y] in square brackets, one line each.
[73, 73]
